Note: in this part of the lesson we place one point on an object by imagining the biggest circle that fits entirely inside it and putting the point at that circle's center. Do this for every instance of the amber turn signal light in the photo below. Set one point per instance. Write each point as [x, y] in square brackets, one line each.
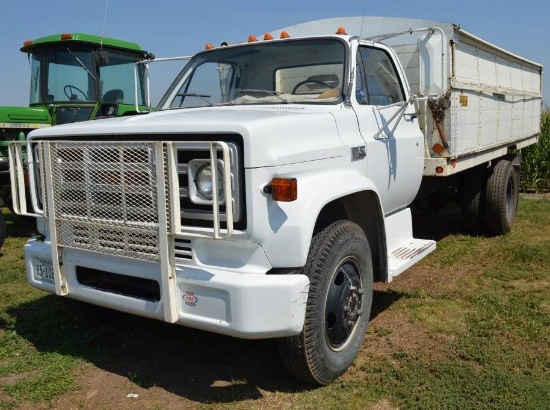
[283, 189]
[438, 148]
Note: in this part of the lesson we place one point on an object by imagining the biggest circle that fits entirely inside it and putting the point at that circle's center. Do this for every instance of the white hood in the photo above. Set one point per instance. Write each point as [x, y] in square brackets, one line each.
[276, 135]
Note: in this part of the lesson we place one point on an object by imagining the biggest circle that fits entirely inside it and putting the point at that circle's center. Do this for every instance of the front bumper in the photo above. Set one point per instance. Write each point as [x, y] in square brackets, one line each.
[237, 302]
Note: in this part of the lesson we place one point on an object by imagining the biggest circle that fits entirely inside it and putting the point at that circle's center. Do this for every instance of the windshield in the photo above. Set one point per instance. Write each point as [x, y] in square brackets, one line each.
[68, 75]
[278, 72]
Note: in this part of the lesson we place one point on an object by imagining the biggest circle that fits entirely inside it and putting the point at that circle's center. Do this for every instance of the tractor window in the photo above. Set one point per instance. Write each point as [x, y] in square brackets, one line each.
[118, 73]
[36, 63]
[70, 76]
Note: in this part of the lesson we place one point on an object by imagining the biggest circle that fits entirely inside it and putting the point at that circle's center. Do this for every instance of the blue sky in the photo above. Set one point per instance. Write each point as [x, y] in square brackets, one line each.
[176, 27]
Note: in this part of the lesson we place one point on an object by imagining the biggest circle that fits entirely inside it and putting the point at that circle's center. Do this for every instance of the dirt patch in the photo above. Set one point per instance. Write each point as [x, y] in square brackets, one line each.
[396, 332]
[99, 389]
[14, 378]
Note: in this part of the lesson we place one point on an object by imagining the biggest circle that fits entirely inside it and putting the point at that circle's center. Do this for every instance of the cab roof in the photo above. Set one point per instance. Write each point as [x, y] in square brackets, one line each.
[81, 38]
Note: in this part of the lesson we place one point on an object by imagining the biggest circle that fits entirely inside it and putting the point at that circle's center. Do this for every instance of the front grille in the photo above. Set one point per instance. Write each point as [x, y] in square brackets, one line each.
[183, 249]
[65, 115]
[118, 197]
[105, 197]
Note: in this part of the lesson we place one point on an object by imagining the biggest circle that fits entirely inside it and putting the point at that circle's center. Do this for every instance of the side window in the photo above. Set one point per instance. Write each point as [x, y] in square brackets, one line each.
[382, 82]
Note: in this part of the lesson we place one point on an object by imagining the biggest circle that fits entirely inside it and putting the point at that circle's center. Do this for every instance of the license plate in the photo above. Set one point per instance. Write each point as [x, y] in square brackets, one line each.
[43, 270]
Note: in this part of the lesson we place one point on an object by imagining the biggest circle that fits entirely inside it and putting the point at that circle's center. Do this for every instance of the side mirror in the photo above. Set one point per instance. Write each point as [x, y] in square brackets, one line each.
[434, 63]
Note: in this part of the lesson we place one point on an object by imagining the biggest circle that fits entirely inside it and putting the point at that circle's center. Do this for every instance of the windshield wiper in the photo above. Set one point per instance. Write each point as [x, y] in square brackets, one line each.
[270, 92]
[81, 64]
[201, 96]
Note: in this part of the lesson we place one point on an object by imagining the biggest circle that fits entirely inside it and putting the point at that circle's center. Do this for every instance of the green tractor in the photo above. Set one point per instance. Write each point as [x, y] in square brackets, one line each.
[74, 77]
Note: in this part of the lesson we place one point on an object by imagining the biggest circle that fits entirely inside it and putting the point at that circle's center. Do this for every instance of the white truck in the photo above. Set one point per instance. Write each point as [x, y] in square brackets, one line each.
[272, 185]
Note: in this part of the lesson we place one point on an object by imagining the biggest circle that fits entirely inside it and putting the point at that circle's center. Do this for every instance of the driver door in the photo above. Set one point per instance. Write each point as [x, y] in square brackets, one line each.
[394, 147]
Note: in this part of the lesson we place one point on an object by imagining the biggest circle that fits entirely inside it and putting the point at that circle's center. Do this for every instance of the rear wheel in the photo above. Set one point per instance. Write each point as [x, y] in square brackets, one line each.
[472, 203]
[339, 267]
[501, 198]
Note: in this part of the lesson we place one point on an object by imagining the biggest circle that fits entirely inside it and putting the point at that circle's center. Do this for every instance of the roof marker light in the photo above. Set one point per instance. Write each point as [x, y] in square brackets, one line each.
[27, 43]
[209, 46]
[268, 36]
[252, 38]
[66, 36]
[341, 31]
[284, 34]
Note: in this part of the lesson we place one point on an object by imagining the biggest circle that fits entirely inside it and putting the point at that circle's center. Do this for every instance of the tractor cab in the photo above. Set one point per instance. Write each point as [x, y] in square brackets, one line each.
[78, 77]
[74, 77]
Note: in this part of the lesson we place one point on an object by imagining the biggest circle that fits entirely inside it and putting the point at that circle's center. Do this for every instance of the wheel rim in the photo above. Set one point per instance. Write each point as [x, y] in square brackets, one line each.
[510, 189]
[343, 305]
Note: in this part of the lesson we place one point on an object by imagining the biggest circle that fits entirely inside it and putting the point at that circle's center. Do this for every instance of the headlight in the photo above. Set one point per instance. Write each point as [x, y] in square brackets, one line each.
[203, 181]
[201, 188]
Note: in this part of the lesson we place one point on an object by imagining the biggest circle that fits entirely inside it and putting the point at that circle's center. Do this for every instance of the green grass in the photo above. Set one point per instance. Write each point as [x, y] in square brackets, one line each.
[499, 319]
[466, 328]
[27, 372]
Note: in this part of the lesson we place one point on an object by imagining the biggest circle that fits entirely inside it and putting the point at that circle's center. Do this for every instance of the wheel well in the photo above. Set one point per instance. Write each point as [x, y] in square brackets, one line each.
[362, 208]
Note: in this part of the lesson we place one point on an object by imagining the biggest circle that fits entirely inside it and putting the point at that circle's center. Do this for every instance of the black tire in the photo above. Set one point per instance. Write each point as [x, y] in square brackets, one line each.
[472, 201]
[501, 198]
[339, 267]
[3, 229]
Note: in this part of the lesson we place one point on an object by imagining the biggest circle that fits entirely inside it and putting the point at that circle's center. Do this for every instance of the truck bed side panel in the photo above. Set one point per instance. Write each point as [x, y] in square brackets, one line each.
[495, 100]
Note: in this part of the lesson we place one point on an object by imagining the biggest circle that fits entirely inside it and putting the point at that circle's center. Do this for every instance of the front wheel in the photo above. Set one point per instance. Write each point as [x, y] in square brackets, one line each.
[339, 267]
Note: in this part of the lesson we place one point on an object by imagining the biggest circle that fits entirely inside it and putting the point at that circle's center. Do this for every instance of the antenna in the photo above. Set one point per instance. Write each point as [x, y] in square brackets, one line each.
[104, 23]
[363, 20]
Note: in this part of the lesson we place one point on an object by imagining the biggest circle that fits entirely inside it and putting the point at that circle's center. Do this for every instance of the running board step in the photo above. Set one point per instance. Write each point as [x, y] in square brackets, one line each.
[406, 254]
